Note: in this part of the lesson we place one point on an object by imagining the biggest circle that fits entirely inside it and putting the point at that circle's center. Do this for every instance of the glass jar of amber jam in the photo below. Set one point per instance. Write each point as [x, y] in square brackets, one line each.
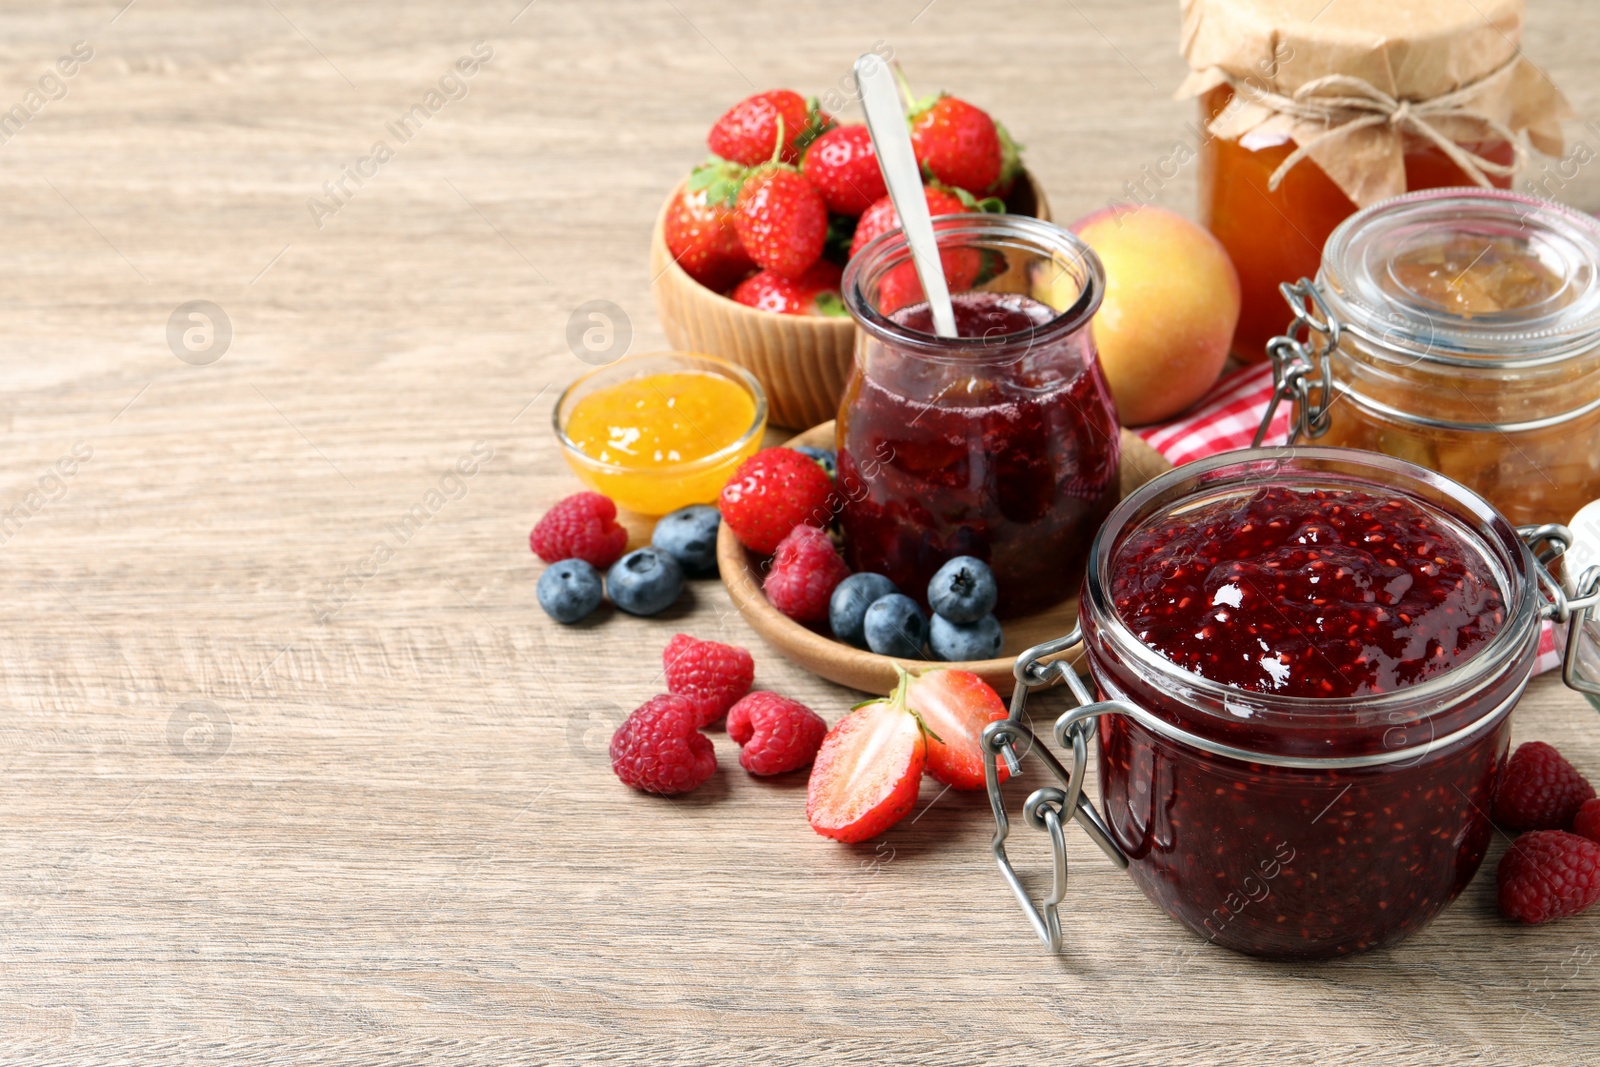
[1277, 235]
[1463, 334]
[1307, 661]
[1001, 442]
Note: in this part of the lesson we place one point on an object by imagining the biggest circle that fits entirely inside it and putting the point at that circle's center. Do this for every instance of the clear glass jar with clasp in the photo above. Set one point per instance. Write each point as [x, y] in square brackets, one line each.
[1458, 329]
[1264, 817]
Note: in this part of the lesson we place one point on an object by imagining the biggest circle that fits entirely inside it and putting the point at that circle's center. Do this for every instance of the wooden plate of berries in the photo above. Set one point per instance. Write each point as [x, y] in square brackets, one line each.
[814, 648]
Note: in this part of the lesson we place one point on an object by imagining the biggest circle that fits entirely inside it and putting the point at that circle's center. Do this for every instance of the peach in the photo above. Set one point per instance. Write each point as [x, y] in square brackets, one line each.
[1172, 301]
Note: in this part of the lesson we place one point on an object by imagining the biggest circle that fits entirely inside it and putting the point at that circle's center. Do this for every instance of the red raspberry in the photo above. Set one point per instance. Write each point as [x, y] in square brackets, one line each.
[1587, 821]
[707, 674]
[1548, 874]
[1540, 790]
[657, 749]
[771, 493]
[805, 570]
[775, 734]
[583, 526]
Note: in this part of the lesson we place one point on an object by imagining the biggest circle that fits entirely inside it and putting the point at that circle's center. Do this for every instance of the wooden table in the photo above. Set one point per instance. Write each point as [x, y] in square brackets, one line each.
[271, 795]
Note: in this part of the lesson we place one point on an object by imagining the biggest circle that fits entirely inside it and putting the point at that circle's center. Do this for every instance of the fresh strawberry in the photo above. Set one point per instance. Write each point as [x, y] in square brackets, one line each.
[816, 293]
[1010, 164]
[781, 220]
[956, 143]
[844, 167]
[699, 228]
[881, 217]
[867, 772]
[771, 493]
[749, 132]
[900, 285]
[955, 706]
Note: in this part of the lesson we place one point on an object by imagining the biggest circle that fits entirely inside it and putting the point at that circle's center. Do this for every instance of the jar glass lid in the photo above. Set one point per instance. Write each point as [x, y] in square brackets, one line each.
[1467, 276]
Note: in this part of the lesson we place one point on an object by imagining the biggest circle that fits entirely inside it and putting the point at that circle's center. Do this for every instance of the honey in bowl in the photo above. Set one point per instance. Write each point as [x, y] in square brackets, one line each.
[662, 432]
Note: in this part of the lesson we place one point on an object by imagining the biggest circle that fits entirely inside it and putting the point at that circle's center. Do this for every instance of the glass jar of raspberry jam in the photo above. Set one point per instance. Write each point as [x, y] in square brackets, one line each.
[1306, 661]
[1000, 443]
[1458, 329]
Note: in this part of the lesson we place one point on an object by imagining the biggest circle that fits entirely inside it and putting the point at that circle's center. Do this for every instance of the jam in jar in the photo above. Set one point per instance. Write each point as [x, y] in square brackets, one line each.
[1000, 443]
[1319, 651]
[1468, 343]
[1276, 235]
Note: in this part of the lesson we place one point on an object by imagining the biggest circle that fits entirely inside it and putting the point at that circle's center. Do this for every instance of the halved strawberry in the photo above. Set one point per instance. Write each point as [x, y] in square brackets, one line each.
[955, 706]
[866, 774]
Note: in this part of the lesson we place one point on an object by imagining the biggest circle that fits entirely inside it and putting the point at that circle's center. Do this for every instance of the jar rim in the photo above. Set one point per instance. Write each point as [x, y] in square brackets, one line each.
[1399, 323]
[1025, 233]
[1495, 537]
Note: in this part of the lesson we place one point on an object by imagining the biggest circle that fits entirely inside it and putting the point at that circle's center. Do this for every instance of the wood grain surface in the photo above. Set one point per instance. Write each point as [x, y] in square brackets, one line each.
[294, 769]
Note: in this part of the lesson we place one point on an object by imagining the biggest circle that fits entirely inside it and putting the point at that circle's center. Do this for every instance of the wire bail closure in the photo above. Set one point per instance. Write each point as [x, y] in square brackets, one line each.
[1295, 361]
[1047, 806]
[1549, 543]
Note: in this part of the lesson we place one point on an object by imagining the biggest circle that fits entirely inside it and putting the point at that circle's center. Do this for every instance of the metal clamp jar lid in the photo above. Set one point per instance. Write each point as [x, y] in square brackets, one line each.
[1463, 727]
[1459, 329]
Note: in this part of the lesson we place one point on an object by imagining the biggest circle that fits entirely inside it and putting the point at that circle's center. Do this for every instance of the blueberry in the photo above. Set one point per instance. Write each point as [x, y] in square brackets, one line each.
[848, 608]
[645, 582]
[895, 626]
[963, 590]
[569, 590]
[965, 640]
[689, 535]
[823, 456]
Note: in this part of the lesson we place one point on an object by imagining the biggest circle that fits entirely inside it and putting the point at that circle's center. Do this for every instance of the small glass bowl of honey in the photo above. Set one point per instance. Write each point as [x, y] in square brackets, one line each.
[660, 432]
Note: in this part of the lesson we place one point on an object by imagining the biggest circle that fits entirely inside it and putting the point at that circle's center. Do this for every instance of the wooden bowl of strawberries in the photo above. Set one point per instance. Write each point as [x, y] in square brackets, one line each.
[748, 251]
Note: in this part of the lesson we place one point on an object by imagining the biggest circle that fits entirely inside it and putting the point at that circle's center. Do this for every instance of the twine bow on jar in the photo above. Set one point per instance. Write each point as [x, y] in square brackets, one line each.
[1343, 104]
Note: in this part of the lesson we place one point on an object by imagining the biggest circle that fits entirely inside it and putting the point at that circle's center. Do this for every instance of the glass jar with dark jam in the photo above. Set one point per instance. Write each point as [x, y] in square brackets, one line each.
[1306, 662]
[1000, 443]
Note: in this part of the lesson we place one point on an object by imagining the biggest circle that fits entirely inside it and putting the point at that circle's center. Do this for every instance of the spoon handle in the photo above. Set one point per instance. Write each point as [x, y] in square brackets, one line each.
[886, 122]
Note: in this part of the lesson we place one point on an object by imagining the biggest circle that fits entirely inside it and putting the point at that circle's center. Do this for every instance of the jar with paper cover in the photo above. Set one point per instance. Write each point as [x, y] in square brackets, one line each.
[1313, 110]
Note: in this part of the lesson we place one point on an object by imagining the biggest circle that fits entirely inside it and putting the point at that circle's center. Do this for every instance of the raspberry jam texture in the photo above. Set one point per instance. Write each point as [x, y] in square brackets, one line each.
[1306, 606]
[1013, 462]
[1297, 864]
[1308, 594]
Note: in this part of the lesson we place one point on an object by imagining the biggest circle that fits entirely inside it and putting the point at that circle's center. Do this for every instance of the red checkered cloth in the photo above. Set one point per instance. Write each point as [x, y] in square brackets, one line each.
[1227, 417]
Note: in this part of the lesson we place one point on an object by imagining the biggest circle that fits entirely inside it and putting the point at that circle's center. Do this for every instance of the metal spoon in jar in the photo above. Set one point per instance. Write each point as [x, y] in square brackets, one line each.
[886, 122]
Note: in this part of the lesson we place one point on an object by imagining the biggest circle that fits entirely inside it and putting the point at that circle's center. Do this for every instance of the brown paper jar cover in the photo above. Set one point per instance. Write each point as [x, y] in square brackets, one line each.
[1462, 56]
